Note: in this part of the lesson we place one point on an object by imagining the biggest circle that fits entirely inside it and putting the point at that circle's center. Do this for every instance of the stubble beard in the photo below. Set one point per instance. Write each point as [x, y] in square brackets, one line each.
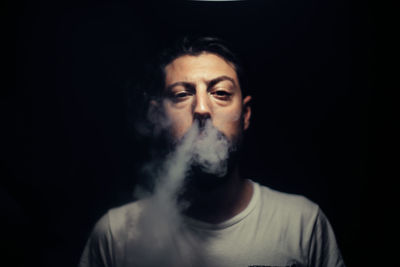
[199, 177]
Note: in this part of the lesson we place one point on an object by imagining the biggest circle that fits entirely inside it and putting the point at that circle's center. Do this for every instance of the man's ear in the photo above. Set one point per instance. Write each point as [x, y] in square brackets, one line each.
[246, 112]
[153, 110]
[154, 104]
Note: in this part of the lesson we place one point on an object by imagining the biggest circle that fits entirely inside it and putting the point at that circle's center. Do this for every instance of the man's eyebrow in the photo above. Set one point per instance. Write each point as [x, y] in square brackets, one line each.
[210, 83]
[219, 79]
[187, 85]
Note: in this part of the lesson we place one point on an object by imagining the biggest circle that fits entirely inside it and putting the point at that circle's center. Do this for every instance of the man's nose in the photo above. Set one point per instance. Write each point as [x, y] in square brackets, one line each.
[202, 109]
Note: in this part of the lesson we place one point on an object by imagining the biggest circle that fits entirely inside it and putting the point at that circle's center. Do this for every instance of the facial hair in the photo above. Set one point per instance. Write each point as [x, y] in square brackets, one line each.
[213, 155]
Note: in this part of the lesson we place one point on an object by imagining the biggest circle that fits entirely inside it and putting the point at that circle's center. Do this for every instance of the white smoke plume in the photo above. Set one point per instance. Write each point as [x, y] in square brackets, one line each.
[163, 236]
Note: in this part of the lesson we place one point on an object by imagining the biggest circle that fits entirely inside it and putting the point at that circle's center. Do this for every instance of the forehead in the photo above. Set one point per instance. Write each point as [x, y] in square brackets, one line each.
[205, 67]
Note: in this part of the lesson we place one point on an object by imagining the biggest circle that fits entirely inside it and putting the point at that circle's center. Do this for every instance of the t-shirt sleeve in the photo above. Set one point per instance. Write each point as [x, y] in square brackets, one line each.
[324, 251]
[98, 249]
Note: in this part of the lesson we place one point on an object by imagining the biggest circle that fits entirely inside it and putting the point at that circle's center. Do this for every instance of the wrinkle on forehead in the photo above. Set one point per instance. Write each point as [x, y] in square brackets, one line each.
[201, 68]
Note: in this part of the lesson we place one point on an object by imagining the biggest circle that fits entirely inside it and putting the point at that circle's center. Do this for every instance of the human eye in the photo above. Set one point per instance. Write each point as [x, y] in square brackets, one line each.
[180, 96]
[221, 94]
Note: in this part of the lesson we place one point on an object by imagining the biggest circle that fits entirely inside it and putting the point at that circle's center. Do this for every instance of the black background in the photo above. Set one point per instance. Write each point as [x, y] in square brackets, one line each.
[69, 152]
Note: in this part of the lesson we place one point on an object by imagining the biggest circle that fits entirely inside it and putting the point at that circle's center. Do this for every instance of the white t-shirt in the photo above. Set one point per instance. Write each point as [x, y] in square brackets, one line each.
[275, 229]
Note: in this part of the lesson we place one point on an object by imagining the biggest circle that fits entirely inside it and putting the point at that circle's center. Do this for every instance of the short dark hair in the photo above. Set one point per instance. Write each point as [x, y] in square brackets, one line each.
[193, 46]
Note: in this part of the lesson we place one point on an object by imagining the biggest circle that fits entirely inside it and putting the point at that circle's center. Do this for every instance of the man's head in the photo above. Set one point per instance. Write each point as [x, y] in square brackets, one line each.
[200, 79]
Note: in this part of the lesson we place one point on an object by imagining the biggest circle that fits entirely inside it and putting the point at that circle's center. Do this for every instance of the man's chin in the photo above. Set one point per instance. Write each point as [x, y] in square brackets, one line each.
[200, 180]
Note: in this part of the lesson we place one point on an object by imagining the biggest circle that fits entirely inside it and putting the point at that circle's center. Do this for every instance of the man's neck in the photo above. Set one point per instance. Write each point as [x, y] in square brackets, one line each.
[220, 203]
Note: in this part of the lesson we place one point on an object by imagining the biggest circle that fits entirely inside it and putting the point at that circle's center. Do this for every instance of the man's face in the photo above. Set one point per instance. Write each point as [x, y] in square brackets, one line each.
[204, 87]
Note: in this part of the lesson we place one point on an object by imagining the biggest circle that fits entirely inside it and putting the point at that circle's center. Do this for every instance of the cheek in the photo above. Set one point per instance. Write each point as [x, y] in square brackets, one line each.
[180, 120]
[228, 122]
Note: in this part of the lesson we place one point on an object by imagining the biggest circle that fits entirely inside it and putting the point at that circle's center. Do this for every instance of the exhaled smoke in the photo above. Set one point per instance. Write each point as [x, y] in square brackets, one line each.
[210, 150]
[161, 230]
[203, 147]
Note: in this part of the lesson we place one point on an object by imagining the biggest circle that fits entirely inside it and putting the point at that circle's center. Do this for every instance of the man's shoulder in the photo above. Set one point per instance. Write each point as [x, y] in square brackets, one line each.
[118, 219]
[127, 209]
[289, 204]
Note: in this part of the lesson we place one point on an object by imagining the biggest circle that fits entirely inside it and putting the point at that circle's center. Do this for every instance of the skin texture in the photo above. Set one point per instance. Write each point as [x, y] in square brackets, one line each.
[206, 87]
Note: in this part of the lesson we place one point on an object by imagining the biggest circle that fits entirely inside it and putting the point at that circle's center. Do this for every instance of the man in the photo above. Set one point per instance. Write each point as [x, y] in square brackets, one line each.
[201, 212]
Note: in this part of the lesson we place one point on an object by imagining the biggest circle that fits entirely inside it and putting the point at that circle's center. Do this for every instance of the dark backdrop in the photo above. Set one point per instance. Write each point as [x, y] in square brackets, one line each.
[69, 152]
